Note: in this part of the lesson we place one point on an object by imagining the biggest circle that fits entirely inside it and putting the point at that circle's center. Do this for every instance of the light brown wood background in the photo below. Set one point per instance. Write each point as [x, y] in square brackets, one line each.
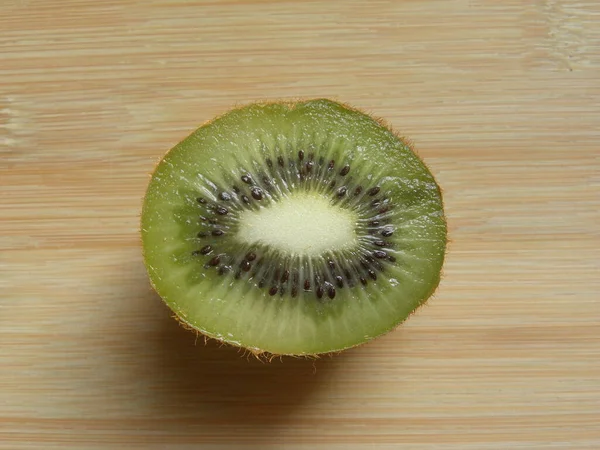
[502, 100]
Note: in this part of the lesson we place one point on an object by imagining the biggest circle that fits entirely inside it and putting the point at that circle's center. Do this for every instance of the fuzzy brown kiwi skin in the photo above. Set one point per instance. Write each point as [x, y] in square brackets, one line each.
[263, 355]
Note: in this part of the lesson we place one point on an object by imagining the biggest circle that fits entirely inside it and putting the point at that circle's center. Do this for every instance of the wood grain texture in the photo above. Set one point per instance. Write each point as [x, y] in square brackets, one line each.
[502, 100]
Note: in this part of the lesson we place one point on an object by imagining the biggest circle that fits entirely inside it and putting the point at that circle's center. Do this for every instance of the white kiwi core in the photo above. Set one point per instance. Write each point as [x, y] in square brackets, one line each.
[300, 224]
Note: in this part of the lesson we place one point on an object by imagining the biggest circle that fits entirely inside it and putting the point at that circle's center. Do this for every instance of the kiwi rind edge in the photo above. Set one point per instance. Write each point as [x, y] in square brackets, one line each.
[261, 354]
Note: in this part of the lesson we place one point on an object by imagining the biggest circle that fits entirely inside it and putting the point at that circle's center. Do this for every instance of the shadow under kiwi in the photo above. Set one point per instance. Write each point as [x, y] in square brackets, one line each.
[204, 379]
[186, 390]
[202, 384]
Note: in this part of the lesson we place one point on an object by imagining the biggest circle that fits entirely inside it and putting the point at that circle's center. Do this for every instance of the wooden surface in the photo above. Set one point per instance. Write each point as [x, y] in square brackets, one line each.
[502, 100]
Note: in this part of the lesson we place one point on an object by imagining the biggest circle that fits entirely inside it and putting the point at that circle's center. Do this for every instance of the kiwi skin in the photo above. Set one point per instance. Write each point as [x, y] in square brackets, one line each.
[261, 354]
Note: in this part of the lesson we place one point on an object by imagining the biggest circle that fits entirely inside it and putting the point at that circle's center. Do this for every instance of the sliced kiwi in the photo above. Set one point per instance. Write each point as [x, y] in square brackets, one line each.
[293, 228]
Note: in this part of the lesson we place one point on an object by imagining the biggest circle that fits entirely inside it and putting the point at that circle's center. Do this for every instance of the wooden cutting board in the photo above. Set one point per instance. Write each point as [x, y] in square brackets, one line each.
[501, 99]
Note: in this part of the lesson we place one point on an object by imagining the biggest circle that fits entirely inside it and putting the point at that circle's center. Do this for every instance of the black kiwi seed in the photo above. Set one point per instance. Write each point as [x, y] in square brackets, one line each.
[307, 285]
[363, 280]
[300, 155]
[257, 193]
[225, 196]
[269, 162]
[331, 264]
[247, 178]
[345, 170]
[236, 189]
[320, 291]
[285, 276]
[217, 232]
[205, 250]
[342, 191]
[372, 274]
[387, 232]
[373, 191]
[273, 290]
[250, 256]
[391, 258]
[339, 281]
[201, 200]
[224, 269]
[384, 210]
[380, 243]
[294, 291]
[213, 262]
[358, 190]
[221, 210]
[202, 234]
[309, 166]
[331, 165]
[330, 291]
[245, 265]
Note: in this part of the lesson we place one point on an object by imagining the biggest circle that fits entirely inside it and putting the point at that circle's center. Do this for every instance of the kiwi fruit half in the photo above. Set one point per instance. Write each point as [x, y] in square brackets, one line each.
[293, 228]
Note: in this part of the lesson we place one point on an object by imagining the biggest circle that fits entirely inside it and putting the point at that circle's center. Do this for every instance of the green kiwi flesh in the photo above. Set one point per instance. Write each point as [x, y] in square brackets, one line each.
[293, 228]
